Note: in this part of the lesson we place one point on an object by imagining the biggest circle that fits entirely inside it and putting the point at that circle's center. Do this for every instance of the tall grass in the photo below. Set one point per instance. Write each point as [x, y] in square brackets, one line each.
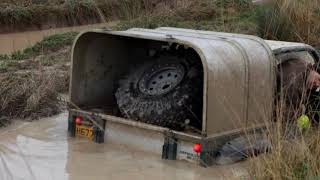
[219, 15]
[295, 153]
[291, 20]
[28, 94]
[17, 16]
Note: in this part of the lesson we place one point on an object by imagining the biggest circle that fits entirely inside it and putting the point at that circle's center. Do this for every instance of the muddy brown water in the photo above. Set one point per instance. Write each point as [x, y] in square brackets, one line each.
[18, 41]
[41, 150]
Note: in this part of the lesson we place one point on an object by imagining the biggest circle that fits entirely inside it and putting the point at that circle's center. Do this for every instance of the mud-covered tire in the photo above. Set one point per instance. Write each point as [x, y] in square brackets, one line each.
[242, 147]
[163, 107]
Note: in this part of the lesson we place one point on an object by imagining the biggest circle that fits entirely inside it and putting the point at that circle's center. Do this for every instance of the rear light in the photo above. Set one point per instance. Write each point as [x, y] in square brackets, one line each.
[197, 148]
[78, 120]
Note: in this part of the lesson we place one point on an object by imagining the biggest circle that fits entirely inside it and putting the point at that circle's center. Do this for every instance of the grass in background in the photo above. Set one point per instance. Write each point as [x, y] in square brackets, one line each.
[291, 20]
[23, 16]
[221, 15]
[296, 156]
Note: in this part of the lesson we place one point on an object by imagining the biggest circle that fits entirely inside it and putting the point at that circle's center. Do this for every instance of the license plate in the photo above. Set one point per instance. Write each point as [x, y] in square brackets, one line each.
[84, 131]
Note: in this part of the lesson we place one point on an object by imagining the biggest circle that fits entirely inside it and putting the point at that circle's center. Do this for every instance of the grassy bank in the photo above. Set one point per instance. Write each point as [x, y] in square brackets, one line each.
[229, 14]
[31, 79]
[29, 15]
[220, 15]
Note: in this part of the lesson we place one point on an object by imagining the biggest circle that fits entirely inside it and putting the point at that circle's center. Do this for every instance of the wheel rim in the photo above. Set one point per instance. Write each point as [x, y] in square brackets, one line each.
[161, 79]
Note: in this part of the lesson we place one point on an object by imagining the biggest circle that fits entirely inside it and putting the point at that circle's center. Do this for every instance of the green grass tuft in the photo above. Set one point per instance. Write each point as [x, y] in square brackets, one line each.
[53, 42]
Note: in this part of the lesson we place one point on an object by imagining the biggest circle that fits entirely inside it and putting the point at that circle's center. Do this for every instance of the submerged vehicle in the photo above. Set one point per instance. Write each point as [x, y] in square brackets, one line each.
[180, 93]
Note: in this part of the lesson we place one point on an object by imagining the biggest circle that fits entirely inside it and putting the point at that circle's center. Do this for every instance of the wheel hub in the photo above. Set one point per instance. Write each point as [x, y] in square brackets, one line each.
[161, 79]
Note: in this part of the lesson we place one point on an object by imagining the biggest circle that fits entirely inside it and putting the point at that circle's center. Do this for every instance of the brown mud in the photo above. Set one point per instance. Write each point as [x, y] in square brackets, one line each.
[41, 150]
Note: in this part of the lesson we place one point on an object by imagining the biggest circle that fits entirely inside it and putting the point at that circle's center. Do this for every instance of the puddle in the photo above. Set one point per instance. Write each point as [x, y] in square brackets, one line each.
[17, 41]
[41, 150]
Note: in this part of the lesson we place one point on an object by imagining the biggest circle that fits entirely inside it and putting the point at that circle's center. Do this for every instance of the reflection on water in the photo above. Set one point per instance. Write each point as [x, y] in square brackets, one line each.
[17, 41]
[40, 150]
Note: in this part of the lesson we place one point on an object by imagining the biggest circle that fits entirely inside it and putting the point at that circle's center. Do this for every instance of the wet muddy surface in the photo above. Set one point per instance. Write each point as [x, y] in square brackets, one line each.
[41, 150]
[17, 41]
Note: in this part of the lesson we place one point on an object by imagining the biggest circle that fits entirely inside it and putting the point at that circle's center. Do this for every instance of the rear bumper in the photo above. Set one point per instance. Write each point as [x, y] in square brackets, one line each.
[168, 144]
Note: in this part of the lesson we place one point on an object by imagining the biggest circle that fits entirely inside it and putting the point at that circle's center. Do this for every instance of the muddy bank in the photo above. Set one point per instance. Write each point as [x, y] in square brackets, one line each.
[41, 150]
[17, 17]
[54, 14]
[31, 15]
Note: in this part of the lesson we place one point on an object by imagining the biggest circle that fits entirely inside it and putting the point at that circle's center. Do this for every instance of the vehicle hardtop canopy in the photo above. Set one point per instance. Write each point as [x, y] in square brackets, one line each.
[238, 72]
